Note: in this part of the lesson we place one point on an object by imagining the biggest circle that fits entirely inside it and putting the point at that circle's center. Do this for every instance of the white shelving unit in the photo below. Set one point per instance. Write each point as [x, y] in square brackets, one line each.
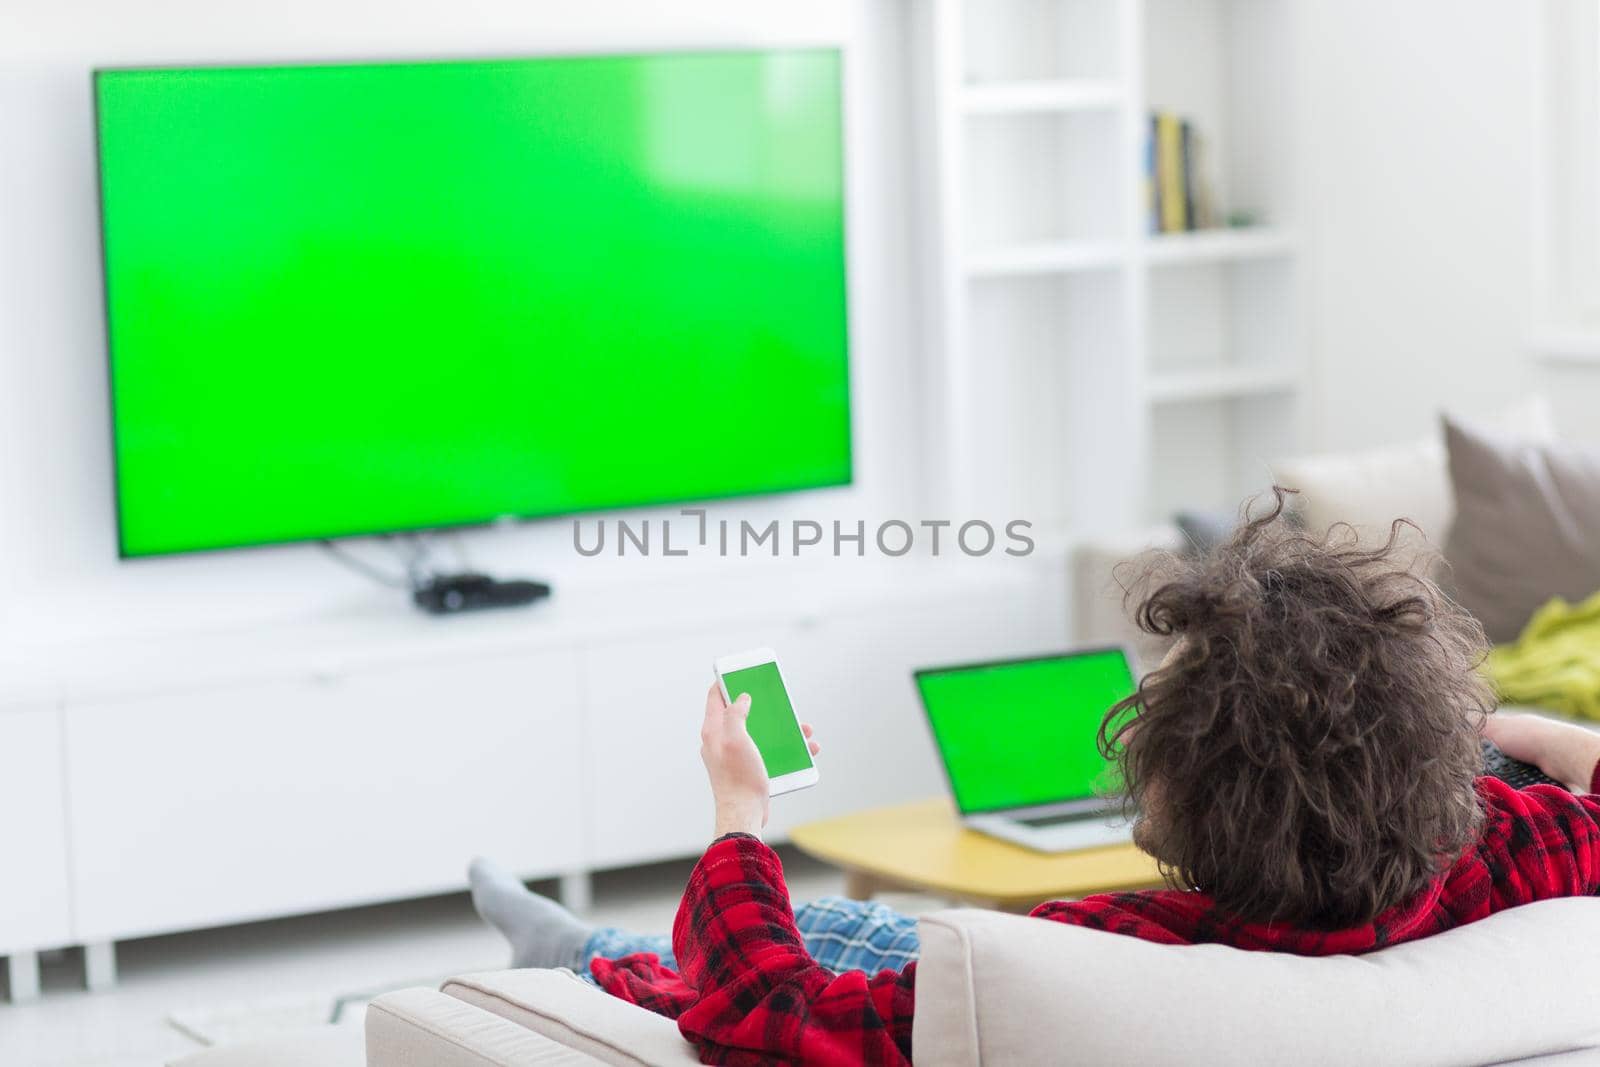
[1046, 257]
[1094, 375]
[1014, 97]
[1220, 383]
[1219, 245]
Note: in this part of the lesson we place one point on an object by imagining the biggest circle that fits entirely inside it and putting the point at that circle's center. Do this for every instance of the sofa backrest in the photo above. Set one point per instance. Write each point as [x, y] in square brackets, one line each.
[1004, 989]
[1371, 488]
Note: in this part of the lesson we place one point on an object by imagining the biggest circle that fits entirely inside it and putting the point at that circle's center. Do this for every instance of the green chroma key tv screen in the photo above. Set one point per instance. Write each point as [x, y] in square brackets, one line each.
[365, 298]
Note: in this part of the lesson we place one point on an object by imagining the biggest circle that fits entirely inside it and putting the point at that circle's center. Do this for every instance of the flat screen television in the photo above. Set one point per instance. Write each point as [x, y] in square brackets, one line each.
[365, 298]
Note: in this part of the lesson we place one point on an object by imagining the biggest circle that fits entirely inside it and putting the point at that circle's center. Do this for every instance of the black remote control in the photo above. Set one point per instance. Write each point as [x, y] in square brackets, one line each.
[1513, 772]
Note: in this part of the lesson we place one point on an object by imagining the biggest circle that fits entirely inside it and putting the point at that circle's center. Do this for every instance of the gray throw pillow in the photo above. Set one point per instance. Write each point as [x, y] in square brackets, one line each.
[1527, 525]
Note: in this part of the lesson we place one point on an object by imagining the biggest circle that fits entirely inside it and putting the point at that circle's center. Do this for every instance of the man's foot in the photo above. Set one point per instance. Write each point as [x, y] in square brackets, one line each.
[542, 933]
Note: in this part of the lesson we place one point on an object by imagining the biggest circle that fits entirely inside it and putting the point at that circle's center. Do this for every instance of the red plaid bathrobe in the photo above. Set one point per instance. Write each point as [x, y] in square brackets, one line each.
[748, 992]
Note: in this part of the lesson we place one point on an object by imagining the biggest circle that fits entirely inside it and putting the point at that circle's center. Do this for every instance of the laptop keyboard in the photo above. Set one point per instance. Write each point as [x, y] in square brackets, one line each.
[1056, 820]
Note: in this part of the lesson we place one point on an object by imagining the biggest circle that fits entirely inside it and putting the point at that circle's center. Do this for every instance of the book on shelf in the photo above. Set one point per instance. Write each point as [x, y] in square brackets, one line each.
[1176, 190]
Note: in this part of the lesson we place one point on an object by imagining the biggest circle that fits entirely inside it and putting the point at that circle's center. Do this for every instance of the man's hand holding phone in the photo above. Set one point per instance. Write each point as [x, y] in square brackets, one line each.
[739, 782]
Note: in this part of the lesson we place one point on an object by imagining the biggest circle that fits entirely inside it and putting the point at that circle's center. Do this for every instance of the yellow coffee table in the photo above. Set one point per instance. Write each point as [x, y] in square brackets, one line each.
[923, 846]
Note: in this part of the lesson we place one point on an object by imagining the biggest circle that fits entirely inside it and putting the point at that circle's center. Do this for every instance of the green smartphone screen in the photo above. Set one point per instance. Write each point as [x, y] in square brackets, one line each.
[1022, 733]
[772, 723]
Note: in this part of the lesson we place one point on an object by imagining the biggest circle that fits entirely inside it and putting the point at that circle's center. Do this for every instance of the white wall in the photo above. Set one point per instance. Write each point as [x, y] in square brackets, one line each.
[1418, 133]
[59, 576]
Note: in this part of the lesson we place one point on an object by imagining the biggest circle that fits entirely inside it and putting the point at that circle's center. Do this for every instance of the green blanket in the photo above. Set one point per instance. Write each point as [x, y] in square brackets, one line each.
[1555, 663]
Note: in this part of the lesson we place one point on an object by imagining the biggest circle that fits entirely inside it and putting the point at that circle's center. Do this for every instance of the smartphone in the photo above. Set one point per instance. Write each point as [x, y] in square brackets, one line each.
[774, 725]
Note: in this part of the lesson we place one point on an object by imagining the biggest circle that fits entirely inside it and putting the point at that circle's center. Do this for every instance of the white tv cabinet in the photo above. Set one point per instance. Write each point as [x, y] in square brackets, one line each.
[193, 780]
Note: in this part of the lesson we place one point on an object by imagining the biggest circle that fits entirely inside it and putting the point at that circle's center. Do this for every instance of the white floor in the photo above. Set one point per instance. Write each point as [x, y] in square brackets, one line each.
[337, 953]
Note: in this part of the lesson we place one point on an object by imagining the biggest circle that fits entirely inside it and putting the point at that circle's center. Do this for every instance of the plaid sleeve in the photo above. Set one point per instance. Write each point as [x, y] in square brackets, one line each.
[1156, 917]
[759, 997]
[1539, 842]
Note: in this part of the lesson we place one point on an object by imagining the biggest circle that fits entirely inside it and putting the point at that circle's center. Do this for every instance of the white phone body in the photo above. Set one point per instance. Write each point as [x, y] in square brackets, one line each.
[756, 657]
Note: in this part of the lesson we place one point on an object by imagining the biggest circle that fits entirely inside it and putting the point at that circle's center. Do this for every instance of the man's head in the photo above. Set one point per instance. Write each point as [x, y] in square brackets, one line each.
[1306, 752]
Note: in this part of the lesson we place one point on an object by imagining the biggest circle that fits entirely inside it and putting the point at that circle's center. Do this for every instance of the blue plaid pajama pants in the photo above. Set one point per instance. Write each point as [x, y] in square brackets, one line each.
[841, 935]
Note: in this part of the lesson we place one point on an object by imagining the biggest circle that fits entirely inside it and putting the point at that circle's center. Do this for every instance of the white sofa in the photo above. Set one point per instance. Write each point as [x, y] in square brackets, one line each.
[1519, 987]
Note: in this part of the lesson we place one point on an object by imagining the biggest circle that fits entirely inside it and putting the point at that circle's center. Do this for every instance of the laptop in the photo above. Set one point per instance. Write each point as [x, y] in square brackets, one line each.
[1018, 741]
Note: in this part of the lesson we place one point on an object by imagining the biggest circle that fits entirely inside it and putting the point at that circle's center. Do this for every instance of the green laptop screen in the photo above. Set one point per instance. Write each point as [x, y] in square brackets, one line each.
[1022, 733]
[393, 296]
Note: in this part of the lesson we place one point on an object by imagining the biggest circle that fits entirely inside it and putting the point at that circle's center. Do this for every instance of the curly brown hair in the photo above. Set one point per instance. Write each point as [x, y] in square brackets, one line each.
[1306, 753]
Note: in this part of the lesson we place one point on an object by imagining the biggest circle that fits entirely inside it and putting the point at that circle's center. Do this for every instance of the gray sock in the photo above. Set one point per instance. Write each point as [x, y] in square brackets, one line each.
[542, 933]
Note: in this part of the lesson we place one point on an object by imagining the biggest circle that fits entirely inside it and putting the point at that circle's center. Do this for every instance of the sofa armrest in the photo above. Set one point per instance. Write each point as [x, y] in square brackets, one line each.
[573, 1013]
[424, 1028]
